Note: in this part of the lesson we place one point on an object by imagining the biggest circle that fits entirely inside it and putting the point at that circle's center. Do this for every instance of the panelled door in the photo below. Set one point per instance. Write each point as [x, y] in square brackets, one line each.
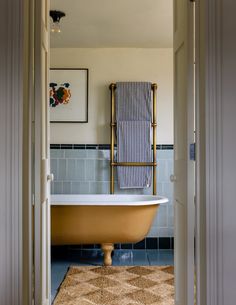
[42, 176]
[183, 177]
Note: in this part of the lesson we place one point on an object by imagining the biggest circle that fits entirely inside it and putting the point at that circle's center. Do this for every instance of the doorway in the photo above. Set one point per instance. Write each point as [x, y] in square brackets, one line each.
[100, 121]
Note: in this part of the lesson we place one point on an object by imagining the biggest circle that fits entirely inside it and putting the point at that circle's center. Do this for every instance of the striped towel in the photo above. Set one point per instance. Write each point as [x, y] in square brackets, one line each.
[133, 116]
[133, 101]
[134, 145]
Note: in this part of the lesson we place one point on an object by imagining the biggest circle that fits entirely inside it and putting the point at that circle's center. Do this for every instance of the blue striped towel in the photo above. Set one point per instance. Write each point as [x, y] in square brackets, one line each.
[133, 116]
[133, 101]
[134, 145]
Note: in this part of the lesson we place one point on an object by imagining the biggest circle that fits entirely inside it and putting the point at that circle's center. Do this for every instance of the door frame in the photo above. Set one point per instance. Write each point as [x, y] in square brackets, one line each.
[184, 136]
[209, 156]
[213, 153]
[209, 239]
[200, 208]
[28, 96]
[41, 177]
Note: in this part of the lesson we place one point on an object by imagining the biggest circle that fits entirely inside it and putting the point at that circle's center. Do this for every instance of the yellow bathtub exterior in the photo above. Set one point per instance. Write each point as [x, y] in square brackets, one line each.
[100, 224]
[105, 225]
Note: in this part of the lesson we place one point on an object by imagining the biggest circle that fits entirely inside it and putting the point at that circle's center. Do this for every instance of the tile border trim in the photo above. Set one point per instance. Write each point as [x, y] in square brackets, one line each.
[101, 146]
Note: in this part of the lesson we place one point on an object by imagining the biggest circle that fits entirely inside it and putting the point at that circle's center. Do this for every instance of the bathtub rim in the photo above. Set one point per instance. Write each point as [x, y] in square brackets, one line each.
[105, 200]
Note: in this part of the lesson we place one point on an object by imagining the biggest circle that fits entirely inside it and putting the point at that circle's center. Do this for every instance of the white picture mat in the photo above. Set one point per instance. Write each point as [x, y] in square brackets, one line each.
[76, 109]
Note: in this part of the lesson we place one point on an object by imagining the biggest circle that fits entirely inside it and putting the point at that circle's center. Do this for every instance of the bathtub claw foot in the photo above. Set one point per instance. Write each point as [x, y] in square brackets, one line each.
[107, 250]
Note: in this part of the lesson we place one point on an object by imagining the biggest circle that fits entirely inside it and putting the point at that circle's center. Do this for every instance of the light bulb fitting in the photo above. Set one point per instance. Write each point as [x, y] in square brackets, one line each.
[56, 17]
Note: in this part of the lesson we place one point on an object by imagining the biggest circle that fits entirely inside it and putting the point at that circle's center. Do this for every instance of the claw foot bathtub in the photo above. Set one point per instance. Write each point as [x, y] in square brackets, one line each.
[102, 219]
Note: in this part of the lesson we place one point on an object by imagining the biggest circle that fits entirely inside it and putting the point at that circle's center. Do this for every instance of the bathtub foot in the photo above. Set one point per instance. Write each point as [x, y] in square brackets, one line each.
[107, 250]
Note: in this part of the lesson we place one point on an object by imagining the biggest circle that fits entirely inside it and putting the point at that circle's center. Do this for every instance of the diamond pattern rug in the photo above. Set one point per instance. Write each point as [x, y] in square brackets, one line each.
[139, 285]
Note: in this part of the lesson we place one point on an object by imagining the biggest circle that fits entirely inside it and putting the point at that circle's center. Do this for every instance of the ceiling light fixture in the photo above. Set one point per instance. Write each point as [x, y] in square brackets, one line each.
[56, 17]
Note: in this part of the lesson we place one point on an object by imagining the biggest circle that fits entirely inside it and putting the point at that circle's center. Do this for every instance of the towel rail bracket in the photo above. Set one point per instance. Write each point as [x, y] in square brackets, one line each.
[114, 124]
[133, 164]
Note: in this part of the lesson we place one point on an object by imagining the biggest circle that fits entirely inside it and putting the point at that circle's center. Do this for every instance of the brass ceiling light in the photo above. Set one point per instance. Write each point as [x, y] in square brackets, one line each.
[56, 17]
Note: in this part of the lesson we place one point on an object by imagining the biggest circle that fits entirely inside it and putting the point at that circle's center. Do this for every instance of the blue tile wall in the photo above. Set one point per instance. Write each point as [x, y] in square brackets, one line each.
[85, 169]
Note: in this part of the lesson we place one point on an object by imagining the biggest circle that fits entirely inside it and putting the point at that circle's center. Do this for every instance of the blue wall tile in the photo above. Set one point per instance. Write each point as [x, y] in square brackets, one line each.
[97, 154]
[162, 174]
[153, 232]
[61, 169]
[159, 187]
[66, 187]
[75, 153]
[87, 171]
[167, 190]
[99, 187]
[161, 155]
[75, 170]
[79, 187]
[90, 170]
[170, 167]
[54, 168]
[71, 170]
[162, 217]
[57, 153]
[102, 170]
[165, 154]
[58, 187]
[52, 188]
[163, 232]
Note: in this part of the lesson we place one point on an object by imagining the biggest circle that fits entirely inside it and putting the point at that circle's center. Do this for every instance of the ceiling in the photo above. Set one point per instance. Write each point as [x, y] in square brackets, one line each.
[114, 24]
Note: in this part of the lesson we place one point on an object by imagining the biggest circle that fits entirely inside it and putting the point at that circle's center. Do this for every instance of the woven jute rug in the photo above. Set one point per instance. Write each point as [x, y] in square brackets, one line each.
[138, 285]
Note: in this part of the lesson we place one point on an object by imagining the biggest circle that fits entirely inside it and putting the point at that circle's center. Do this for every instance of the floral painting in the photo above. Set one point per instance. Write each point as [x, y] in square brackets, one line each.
[68, 95]
[59, 95]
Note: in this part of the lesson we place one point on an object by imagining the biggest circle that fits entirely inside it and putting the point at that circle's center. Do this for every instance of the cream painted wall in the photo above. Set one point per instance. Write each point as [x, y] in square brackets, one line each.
[112, 65]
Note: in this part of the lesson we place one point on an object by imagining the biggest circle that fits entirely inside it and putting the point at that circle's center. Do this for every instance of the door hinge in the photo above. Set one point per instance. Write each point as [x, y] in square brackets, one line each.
[33, 200]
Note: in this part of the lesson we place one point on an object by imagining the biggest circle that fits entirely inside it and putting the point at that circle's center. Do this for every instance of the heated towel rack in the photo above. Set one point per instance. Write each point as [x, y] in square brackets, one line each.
[113, 164]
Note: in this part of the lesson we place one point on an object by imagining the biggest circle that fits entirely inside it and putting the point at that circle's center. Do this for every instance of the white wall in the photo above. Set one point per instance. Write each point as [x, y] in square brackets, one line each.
[112, 65]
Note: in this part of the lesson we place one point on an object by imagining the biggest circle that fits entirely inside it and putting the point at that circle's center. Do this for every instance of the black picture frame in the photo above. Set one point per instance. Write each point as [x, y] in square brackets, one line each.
[86, 92]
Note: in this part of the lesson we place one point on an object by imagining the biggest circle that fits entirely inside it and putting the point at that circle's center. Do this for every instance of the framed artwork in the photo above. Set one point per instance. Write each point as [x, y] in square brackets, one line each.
[68, 95]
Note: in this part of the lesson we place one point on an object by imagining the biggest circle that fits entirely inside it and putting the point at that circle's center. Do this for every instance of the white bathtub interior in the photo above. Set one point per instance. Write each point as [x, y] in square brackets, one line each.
[107, 200]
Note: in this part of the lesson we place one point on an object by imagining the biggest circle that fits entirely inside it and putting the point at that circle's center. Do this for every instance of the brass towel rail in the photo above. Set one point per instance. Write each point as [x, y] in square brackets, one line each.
[113, 164]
